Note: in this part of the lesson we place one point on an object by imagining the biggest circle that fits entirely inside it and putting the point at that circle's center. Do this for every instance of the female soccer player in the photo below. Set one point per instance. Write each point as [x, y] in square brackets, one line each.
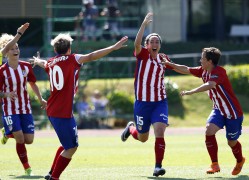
[63, 71]
[151, 107]
[226, 111]
[17, 114]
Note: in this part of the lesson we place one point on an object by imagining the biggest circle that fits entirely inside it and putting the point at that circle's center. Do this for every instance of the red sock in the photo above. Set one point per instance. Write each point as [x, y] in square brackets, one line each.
[22, 154]
[58, 153]
[134, 132]
[10, 136]
[61, 164]
[159, 151]
[237, 151]
[212, 147]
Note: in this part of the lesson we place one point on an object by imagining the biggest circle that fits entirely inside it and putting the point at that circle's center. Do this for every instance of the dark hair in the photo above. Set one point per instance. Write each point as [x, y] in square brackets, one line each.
[212, 54]
[62, 46]
[146, 41]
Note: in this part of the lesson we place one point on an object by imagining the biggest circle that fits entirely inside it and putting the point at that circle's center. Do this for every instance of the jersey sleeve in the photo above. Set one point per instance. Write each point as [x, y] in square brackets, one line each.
[196, 71]
[144, 53]
[217, 75]
[77, 57]
[31, 75]
[1, 79]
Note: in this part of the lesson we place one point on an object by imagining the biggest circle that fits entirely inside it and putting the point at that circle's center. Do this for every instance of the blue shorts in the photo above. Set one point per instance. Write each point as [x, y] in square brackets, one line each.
[66, 130]
[233, 126]
[17, 122]
[147, 113]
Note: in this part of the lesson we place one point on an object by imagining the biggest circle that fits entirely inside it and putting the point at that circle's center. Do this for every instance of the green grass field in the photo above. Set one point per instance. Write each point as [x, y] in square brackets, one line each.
[102, 155]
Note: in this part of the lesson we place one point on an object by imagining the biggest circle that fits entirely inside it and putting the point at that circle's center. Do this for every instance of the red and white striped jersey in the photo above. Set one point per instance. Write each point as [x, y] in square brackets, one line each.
[63, 72]
[149, 77]
[222, 95]
[16, 80]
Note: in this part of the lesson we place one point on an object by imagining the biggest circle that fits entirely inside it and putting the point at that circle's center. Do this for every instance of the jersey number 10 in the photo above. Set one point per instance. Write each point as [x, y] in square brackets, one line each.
[58, 82]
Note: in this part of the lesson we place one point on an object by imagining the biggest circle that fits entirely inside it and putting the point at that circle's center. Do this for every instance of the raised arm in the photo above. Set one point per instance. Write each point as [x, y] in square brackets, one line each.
[140, 33]
[11, 43]
[103, 52]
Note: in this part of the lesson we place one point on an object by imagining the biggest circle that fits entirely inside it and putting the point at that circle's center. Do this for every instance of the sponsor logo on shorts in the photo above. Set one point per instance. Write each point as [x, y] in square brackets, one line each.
[232, 135]
[165, 117]
[31, 126]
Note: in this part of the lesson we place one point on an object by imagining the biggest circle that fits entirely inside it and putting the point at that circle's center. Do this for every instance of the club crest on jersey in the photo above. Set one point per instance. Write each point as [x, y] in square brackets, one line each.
[24, 73]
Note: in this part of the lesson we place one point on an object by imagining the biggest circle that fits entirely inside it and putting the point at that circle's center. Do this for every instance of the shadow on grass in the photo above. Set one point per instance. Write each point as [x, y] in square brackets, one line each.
[162, 178]
[241, 177]
[27, 177]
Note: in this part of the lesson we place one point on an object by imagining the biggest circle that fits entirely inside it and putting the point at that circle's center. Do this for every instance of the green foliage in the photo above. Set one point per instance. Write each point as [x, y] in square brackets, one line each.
[121, 102]
[34, 99]
[239, 77]
[173, 93]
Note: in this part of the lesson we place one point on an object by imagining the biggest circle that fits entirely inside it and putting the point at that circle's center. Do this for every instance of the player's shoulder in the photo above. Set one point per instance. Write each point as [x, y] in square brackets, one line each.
[25, 63]
[219, 69]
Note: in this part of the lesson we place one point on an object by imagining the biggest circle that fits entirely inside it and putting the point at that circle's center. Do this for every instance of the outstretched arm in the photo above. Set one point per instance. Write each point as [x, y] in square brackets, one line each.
[11, 43]
[176, 67]
[204, 87]
[139, 37]
[103, 52]
[38, 61]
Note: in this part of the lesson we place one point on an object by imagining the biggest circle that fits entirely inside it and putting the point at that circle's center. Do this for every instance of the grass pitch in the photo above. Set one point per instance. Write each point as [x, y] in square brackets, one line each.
[102, 155]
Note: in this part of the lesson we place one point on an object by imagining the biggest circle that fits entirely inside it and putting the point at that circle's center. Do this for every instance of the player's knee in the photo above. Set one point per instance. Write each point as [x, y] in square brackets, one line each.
[29, 141]
[143, 139]
[20, 140]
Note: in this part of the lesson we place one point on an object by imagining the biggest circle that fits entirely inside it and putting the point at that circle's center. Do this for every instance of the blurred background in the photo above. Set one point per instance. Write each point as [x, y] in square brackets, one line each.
[186, 26]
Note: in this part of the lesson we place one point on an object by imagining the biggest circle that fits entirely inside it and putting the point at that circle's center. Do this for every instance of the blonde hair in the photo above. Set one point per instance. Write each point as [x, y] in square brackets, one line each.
[61, 36]
[4, 39]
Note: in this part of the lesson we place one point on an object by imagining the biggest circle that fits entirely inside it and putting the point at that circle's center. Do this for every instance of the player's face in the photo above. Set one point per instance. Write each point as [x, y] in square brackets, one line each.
[14, 53]
[204, 62]
[154, 45]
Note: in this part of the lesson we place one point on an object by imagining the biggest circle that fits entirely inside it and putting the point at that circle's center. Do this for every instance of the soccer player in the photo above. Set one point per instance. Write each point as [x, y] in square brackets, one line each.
[151, 107]
[226, 110]
[17, 114]
[63, 71]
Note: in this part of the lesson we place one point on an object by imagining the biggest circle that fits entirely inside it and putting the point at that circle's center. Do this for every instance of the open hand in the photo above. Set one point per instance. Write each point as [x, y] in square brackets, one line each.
[148, 18]
[120, 43]
[12, 95]
[164, 58]
[183, 93]
[43, 104]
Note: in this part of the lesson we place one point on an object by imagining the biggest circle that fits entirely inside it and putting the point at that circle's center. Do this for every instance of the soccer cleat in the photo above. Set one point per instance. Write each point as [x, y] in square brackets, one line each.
[28, 172]
[126, 133]
[4, 138]
[238, 167]
[159, 172]
[214, 168]
[48, 176]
